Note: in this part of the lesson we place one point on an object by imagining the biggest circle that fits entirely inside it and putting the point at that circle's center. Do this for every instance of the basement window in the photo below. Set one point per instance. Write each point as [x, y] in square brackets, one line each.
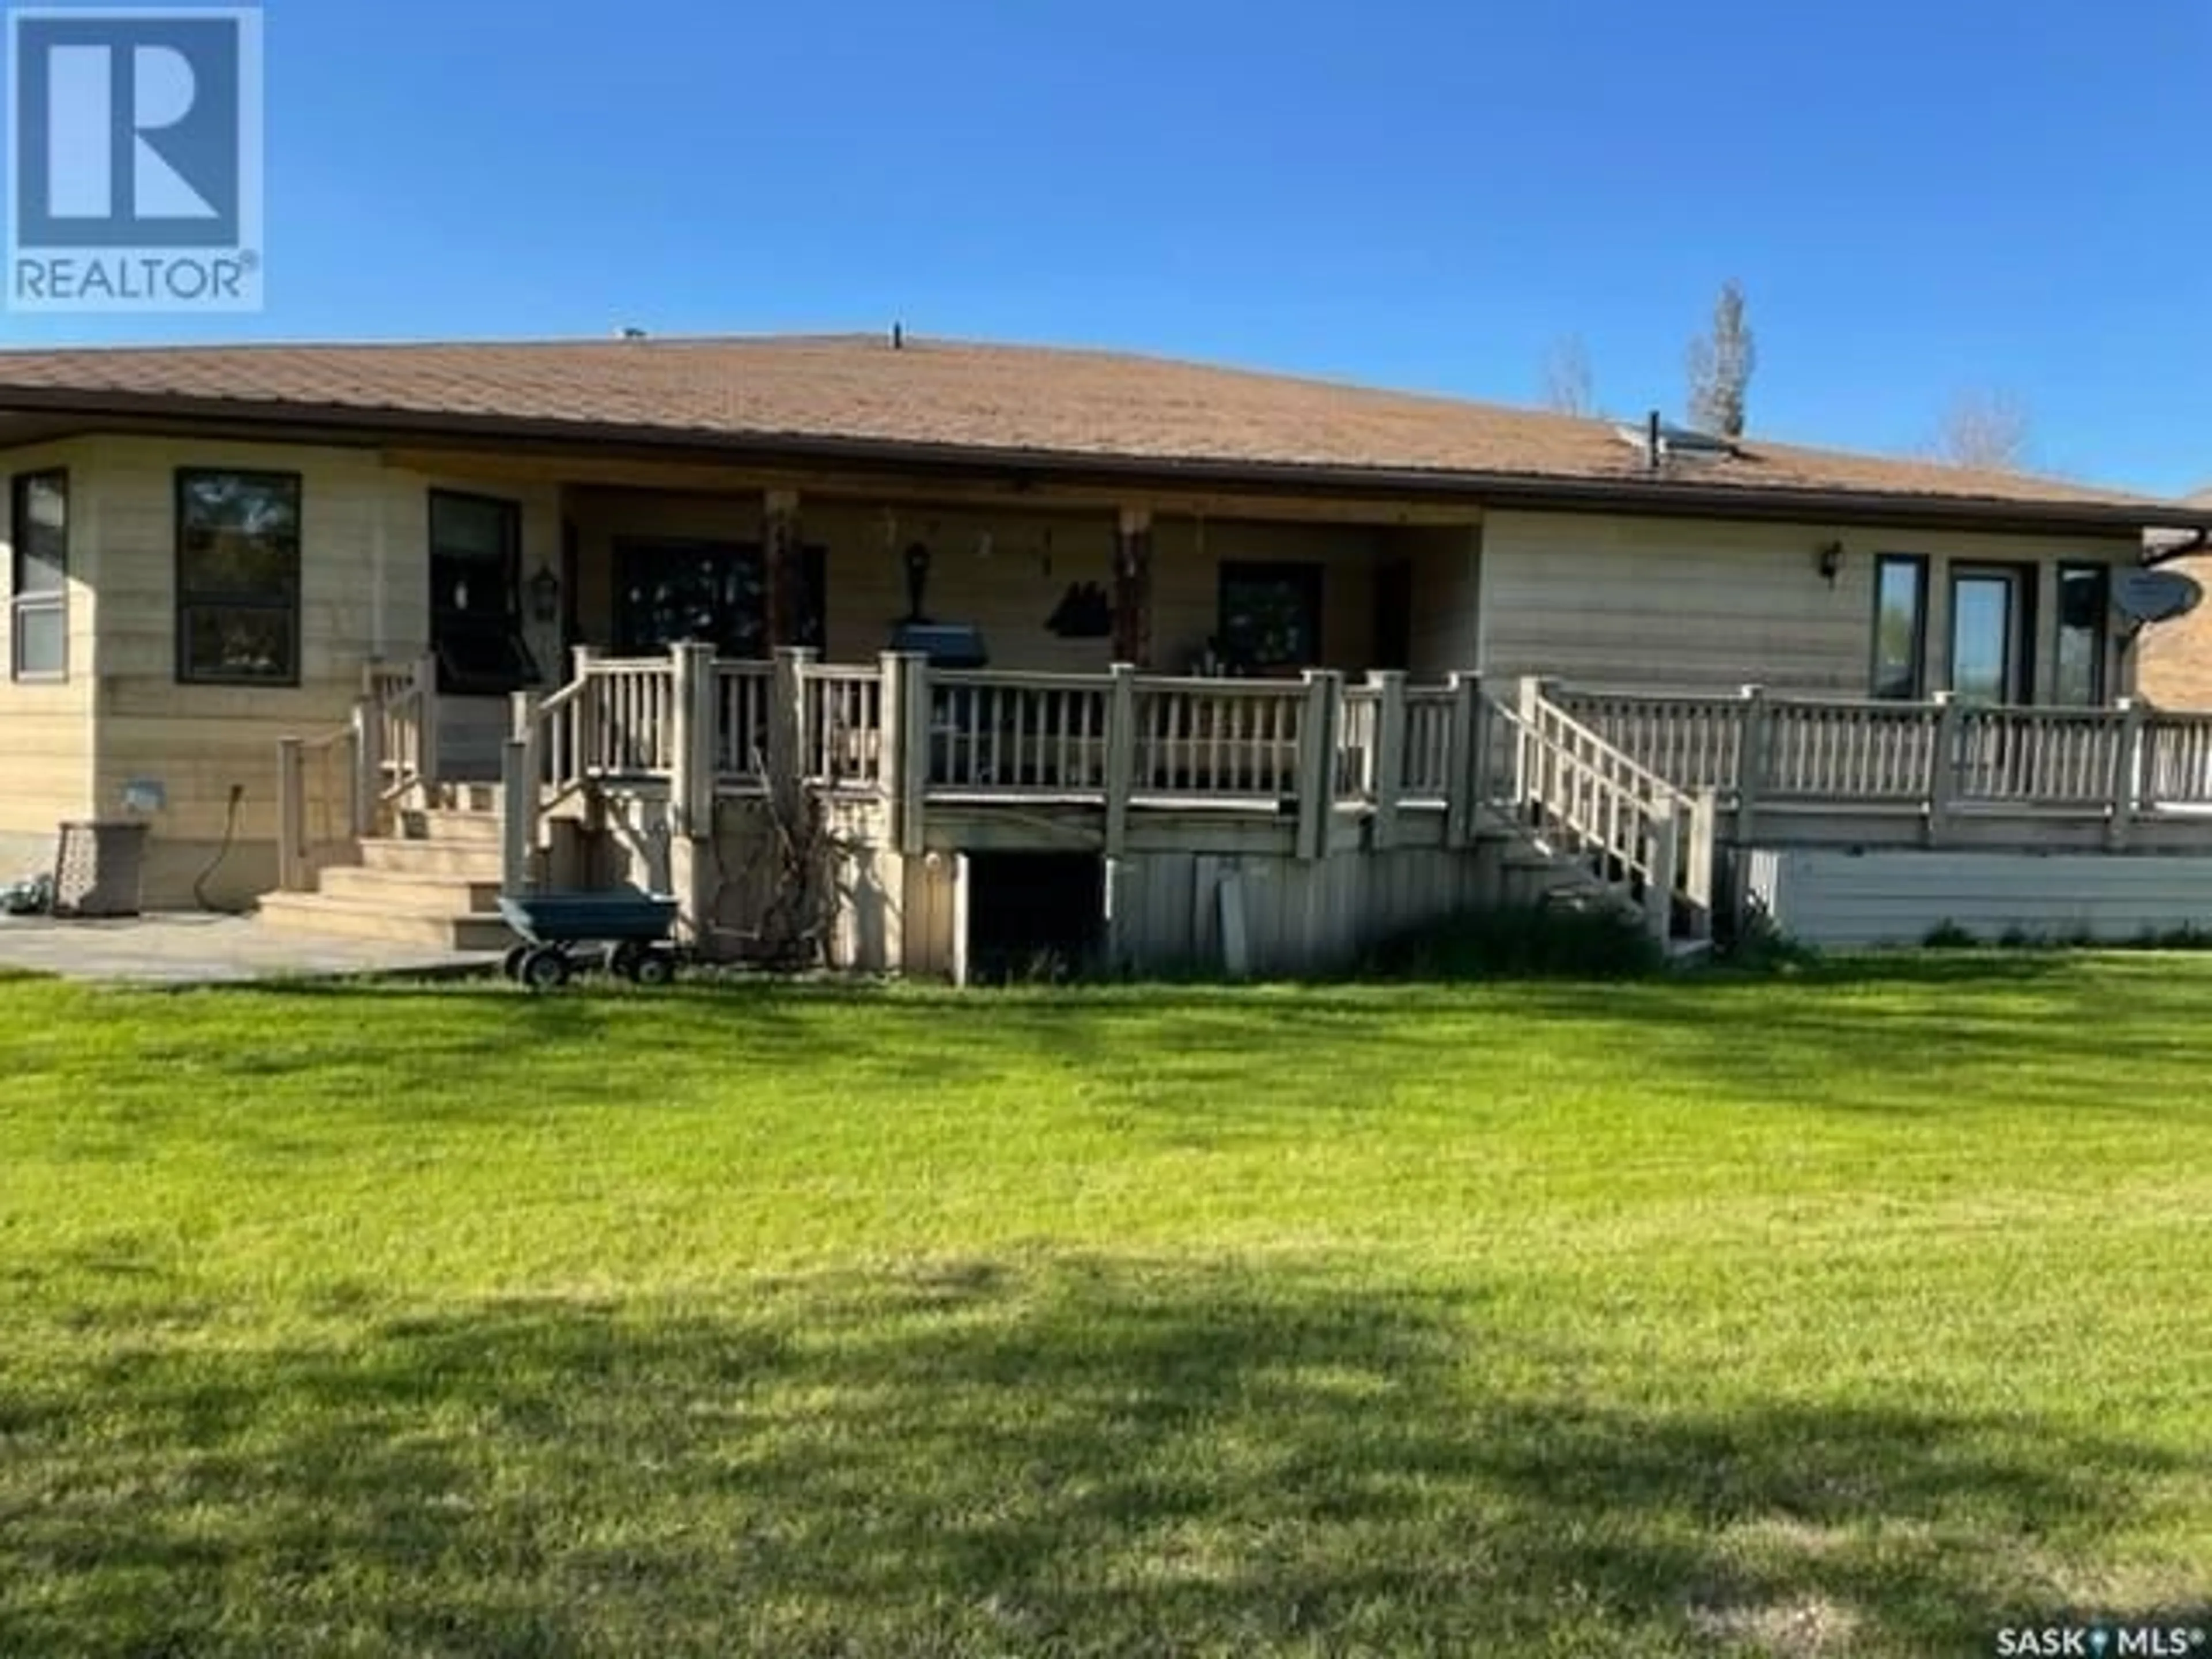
[39, 580]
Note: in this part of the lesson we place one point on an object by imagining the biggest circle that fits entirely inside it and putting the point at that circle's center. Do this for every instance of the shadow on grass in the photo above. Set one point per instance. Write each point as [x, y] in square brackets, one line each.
[1103, 1457]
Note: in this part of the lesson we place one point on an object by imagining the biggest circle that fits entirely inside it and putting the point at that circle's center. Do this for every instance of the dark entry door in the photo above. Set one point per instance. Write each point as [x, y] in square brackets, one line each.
[1394, 616]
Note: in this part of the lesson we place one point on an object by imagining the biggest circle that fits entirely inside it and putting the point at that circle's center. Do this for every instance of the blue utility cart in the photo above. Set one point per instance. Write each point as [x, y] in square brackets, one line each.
[635, 926]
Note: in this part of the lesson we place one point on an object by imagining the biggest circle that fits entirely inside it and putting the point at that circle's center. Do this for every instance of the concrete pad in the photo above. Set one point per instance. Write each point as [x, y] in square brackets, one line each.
[198, 949]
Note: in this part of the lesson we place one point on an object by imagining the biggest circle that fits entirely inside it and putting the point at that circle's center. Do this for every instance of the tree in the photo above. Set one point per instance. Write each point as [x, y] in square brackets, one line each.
[1986, 431]
[1570, 388]
[1721, 365]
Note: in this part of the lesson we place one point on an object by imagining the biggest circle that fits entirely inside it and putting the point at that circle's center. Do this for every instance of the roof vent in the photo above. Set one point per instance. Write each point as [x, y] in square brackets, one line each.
[629, 332]
[1662, 442]
[898, 337]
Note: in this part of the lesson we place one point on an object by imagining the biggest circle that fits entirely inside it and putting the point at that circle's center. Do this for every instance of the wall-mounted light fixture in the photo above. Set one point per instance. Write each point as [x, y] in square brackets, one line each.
[545, 595]
[1832, 562]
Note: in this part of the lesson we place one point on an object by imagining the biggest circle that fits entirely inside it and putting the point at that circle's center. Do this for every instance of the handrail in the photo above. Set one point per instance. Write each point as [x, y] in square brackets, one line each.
[1629, 827]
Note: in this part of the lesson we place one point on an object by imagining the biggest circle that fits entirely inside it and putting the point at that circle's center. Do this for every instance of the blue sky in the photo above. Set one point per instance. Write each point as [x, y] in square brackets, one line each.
[1920, 200]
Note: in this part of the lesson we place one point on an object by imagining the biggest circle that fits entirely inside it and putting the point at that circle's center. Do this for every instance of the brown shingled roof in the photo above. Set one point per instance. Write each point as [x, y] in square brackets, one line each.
[949, 400]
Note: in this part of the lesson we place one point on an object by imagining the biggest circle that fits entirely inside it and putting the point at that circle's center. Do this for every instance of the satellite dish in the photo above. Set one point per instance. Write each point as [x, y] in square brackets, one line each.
[2155, 596]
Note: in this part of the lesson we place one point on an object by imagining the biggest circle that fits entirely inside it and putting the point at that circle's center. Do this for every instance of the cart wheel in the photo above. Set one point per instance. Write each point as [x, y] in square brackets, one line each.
[511, 963]
[622, 960]
[546, 969]
[655, 968]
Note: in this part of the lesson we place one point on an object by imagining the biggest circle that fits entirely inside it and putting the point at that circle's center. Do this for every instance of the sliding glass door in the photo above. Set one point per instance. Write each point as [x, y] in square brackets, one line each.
[1988, 634]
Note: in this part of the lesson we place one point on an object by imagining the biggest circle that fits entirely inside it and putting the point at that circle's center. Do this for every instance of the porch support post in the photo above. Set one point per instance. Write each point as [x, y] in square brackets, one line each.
[1386, 762]
[1944, 760]
[1132, 587]
[585, 752]
[1121, 780]
[895, 756]
[1466, 771]
[1317, 730]
[1702, 854]
[779, 552]
[2128, 790]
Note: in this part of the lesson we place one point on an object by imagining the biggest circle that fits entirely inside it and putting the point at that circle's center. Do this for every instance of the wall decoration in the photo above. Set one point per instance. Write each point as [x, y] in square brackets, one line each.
[1084, 613]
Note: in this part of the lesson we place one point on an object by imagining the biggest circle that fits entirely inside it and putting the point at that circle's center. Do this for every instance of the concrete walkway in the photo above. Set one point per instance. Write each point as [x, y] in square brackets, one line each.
[193, 949]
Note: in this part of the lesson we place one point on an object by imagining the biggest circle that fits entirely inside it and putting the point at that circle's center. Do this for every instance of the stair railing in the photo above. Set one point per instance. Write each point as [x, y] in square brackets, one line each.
[386, 753]
[1593, 803]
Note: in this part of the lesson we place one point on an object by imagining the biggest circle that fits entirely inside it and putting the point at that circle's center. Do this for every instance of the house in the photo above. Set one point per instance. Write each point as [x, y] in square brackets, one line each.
[364, 632]
[2177, 659]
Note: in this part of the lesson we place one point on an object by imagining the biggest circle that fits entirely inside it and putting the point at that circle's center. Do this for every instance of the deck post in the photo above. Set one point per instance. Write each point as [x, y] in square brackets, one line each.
[1317, 729]
[426, 735]
[1665, 825]
[584, 725]
[1754, 759]
[1120, 755]
[1386, 761]
[1702, 854]
[1943, 768]
[518, 823]
[787, 725]
[291, 816]
[522, 732]
[692, 745]
[1467, 769]
[367, 765]
[916, 745]
[2128, 789]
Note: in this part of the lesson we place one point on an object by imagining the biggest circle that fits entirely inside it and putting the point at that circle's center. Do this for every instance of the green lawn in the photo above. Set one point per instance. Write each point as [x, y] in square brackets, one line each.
[1865, 1313]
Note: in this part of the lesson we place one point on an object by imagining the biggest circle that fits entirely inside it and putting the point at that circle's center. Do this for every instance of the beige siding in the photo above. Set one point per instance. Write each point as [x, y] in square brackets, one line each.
[1447, 571]
[1842, 899]
[45, 726]
[1705, 603]
[364, 593]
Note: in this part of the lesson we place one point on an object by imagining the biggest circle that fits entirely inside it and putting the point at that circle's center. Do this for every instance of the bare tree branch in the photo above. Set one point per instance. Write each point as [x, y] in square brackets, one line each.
[1569, 388]
[1986, 430]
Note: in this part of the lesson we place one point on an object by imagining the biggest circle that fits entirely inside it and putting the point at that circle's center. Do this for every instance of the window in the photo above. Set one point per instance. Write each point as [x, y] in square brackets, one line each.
[2085, 600]
[1900, 627]
[475, 595]
[237, 577]
[715, 592]
[39, 581]
[1270, 617]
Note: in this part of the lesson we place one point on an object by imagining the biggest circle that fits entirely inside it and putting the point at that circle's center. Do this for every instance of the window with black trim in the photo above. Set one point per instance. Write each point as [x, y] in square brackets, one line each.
[2085, 606]
[1270, 617]
[475, 595]
[37, 582]
[1900, 627]
[237, 577]
[667, 591]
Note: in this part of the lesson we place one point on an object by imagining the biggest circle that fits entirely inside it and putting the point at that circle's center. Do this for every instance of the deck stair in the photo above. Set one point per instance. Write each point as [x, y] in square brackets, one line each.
[434, 881]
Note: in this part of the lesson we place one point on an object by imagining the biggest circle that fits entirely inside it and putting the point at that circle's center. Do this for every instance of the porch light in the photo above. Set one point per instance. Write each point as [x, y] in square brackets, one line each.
[545, 595]
[1831, 561]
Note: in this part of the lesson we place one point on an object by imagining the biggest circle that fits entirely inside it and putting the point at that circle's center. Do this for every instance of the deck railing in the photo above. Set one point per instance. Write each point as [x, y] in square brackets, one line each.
[1934, 757]
[996, 734]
